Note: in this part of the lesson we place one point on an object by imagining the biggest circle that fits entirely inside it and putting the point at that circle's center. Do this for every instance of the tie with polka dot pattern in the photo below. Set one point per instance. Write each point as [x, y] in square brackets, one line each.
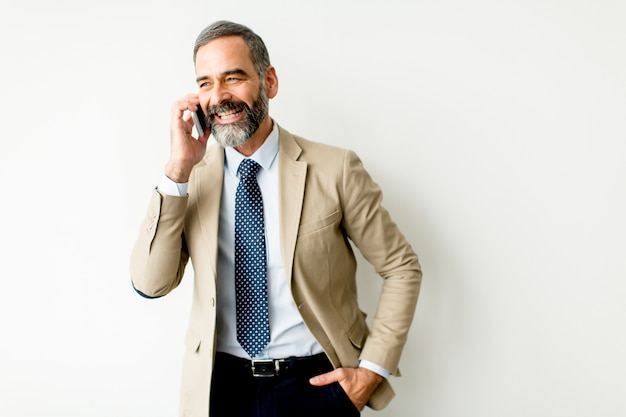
[253, 329]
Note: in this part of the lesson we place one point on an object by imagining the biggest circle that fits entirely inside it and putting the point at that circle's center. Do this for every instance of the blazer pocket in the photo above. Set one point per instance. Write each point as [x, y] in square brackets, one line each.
[358, 332]
[316, 225]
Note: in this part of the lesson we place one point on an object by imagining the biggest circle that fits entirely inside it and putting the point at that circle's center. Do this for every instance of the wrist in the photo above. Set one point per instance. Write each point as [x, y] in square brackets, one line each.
[177, 173]
[374, 378]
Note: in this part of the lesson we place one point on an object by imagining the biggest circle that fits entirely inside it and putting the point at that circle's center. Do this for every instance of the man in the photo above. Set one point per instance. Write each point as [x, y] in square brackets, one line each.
[267, 218]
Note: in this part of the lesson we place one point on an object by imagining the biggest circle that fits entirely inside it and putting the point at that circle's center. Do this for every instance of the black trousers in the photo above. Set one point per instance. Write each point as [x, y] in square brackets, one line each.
[236, 393]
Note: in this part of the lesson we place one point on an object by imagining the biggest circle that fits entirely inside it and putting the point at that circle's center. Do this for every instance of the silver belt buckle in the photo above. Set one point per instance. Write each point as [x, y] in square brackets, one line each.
[265, 368]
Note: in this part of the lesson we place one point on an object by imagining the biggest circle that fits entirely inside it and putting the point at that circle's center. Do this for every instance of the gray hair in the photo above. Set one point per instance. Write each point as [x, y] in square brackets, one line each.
[258, 52]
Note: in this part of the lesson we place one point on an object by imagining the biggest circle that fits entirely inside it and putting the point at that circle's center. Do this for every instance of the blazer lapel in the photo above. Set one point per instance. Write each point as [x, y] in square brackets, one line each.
[291, 183]
[209, 194]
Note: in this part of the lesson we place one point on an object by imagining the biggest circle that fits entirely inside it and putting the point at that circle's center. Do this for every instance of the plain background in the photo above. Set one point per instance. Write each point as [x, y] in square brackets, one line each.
[495, 128]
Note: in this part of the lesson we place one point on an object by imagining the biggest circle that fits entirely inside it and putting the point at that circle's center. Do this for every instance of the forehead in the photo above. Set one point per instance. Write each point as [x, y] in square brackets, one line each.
[223, 54]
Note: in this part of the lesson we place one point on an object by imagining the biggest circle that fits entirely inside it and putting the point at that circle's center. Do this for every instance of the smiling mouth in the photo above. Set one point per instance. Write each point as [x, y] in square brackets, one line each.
[227, 112]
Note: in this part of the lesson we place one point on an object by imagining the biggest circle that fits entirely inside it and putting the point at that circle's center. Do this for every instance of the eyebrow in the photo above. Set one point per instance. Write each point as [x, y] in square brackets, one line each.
[234, 71]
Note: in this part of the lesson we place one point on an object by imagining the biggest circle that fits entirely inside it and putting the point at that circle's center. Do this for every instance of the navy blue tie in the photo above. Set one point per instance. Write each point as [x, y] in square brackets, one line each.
[253, 329]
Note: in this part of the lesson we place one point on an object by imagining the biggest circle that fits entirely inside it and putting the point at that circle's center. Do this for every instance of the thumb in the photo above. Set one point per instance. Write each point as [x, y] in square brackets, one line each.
[325, 379]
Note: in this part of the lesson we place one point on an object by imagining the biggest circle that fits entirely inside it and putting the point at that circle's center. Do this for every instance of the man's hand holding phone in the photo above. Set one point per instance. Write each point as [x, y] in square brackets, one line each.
[186, 150]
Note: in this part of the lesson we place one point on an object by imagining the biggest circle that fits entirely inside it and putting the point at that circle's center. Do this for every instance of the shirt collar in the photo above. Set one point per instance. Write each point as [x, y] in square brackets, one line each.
[264, 156]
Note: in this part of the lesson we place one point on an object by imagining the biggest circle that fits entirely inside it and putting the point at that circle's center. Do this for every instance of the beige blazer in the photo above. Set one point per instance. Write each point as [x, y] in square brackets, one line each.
[327, 199]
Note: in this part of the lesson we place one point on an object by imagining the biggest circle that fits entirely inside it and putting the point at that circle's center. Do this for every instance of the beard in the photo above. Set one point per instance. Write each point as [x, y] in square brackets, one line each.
[238, 133]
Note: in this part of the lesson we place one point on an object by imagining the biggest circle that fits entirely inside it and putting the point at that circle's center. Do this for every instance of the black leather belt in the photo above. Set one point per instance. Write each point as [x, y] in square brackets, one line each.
[295, 366]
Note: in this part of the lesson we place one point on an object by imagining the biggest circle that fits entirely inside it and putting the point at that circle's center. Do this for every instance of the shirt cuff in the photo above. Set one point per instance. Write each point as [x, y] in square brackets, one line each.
[169, 187]
[374, 368]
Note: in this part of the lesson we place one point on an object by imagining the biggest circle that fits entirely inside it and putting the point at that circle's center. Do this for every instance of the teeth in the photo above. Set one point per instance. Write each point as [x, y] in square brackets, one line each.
[227, 114]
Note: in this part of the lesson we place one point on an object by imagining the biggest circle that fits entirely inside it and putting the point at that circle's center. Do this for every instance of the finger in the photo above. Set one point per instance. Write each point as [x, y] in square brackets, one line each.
[180, 114]
[188, 102]
[188, 121]
[192, 102]
[327, 378]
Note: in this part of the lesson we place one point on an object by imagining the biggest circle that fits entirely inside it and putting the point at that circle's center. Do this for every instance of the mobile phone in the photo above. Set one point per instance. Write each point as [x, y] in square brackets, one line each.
[199, 120]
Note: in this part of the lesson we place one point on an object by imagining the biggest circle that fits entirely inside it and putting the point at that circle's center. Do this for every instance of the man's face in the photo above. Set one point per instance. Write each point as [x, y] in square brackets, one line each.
[233, 97]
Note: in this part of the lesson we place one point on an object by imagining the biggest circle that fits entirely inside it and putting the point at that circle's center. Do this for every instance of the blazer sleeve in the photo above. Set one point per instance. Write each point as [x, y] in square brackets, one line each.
[370, 227]
[159, 255]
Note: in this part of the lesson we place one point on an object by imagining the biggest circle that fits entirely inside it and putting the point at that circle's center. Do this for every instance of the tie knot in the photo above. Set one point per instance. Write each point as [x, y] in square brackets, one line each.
[248, 167]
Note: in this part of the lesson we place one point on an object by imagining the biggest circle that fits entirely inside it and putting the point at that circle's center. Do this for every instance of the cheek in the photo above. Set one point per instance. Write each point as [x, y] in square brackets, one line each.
[248, 93]
[204, 100]
[245, 96]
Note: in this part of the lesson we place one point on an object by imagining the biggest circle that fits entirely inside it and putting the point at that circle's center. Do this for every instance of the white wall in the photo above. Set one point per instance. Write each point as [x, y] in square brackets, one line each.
[496, 129]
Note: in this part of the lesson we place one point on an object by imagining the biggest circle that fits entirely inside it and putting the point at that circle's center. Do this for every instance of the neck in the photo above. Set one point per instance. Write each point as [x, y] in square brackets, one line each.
[257, 139]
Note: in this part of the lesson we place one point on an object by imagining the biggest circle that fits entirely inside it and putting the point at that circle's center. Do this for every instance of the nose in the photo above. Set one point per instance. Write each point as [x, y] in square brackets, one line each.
[219, 94]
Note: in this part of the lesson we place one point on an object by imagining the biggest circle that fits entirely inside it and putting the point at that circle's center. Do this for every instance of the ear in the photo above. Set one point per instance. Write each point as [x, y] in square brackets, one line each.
[271, 82]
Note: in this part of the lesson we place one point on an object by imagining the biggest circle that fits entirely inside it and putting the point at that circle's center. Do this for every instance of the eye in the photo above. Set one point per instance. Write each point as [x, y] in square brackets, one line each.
[232, 80]
[205, 84]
